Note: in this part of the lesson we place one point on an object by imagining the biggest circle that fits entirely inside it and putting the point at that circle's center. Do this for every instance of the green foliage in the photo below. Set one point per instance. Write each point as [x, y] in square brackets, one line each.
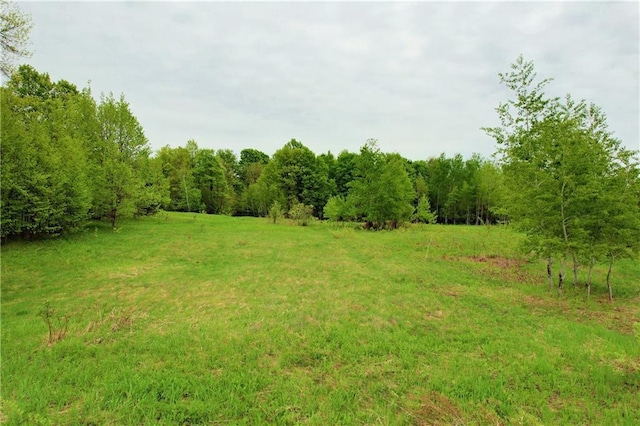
[382, 192]
[421, 187]
[572, 187]
[340, 209]
[178, 168]
[301, 213]
[232, 176]
[276, 212]
[45, 188]
[469, 191]
[210, 177]
[66, 160]
[299, 175]
[258, 197]
[251, 163]
[122, 146]
[344, 172]
[423, 213]
[154, 193]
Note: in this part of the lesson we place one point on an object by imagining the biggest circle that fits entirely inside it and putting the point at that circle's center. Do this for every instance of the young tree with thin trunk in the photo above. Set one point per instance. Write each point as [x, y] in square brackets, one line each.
[573, 189]
[121, 144]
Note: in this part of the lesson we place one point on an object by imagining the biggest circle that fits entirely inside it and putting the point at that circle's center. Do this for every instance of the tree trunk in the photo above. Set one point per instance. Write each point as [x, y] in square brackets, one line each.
[588, 283]
[575, 271]
[112, 215]
[186, 191]
[549, 273]
[560, 277]
[608, 279]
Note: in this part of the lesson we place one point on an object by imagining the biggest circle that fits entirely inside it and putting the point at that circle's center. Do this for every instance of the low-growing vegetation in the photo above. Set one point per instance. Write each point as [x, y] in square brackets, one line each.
[187, 318]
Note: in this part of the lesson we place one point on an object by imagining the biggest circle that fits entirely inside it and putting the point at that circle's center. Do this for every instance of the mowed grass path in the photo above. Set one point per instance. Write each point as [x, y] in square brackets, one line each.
[195, 319]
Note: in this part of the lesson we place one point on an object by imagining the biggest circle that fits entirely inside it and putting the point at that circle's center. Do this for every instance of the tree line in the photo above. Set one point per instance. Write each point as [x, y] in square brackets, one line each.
[67, 159]
[378, 188]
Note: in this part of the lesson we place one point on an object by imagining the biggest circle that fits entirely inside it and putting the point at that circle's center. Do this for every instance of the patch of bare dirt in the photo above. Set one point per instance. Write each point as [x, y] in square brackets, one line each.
[555, 403]
[503, 268]
[618, 318]
[433, 315]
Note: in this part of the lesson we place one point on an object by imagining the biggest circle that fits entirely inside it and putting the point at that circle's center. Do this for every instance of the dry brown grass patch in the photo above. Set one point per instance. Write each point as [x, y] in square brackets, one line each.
[436, 409]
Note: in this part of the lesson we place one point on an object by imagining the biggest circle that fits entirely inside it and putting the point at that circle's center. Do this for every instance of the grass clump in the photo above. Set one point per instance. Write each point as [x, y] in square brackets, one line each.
[56, 324]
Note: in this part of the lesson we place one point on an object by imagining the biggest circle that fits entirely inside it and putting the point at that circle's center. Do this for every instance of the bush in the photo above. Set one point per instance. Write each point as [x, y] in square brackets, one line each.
[275, 211]
[339, 209]
[301, 213]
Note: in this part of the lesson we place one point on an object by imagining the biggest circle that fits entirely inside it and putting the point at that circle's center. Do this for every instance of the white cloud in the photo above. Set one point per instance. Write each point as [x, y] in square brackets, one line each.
[421, 77]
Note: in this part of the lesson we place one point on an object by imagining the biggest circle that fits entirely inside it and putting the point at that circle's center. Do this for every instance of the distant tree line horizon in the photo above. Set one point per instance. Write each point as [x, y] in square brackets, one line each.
[67, 159]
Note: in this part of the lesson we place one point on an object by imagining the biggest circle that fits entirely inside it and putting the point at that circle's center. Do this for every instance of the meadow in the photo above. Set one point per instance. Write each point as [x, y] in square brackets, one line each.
[198, 319]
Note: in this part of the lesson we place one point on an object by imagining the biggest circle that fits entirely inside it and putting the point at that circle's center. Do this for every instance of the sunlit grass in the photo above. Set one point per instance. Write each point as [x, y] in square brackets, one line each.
[195, 319]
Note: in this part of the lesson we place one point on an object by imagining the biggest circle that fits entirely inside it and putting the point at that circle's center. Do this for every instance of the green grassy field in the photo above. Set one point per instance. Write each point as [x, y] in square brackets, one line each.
[195, 319]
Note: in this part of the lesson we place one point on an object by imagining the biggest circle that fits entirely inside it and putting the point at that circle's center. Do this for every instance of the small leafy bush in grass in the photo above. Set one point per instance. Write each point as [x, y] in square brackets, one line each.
[301, 213]
[340, 209]
[276, 211]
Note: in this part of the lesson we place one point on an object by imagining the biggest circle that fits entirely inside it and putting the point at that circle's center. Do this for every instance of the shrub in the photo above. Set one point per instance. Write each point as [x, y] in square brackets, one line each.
[275, 211]
[301, 213]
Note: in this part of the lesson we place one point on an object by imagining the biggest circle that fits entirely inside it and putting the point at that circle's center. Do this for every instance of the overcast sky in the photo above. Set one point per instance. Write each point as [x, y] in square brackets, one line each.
[419, 77]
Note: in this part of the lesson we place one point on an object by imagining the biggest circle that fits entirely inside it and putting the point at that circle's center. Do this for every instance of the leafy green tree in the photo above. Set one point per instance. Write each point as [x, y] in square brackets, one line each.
[251, 163]
[122, 145]
[382, 191]
[260, 196]
[440, 185]
[560, 163]
[344, 172]
[232, 170]
[252, 156]
[423, 213]
[65, 160]
[421, 187]
[621, 237]
[211, 178]
[178, 167]
[329, 163]
[299, 175]
[155, 187]
[333, 209]
[490, 185]
[276, 212]
[339, 209]
[45, 188]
